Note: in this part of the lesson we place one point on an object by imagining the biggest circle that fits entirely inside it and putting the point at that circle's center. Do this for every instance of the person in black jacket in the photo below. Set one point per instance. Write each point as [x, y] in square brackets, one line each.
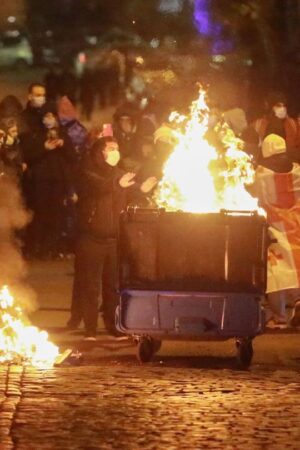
[52, 186]
[102, 190]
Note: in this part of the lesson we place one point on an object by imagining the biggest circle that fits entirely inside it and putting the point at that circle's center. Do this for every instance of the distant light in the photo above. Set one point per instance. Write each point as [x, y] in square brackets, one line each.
[11, 19]
[154, 43]
[139, 60]
[219, 58]
[49, 33]
[92, 40]
[82, 58]
[133, 22]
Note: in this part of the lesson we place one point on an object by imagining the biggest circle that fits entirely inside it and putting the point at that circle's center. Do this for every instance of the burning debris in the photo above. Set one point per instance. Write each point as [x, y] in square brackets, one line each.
[198, 177]
[21, 342]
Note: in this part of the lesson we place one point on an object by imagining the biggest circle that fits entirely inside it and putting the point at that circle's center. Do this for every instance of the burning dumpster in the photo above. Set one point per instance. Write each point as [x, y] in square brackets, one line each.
[195, 267]
[192, 276]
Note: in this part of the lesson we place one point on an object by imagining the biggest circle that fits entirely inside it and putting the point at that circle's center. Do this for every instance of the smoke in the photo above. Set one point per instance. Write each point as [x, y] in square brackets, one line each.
[13, 218]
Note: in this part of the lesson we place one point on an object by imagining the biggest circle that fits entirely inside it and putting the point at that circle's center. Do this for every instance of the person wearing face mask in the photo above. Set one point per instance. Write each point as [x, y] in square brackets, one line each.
[31, 116]
[277, 121]
[277, 189]
[31, 131]
[51, 183]
[11, 152]
[103, 190]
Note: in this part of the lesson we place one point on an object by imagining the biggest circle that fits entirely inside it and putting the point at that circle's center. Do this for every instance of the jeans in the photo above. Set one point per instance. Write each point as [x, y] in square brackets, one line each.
[95, 267]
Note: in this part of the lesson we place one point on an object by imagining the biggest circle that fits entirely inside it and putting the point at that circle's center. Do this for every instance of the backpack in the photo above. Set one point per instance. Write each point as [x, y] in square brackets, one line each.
[78, 135]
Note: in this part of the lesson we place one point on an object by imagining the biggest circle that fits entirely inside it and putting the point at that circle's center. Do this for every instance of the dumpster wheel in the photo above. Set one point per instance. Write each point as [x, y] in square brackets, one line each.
[146, 348]
[244, 352]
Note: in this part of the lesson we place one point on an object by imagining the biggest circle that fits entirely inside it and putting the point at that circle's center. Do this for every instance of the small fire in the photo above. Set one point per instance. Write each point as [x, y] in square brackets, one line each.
[198, 178]
[19, 341]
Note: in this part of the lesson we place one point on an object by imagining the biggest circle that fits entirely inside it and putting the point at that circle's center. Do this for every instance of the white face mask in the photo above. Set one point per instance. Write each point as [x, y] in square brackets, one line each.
[280, 112]
[113, 157]
[38, 102]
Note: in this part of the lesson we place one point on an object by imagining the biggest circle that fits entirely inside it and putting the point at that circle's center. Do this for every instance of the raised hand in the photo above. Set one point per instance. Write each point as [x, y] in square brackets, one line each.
[127, 180]
[148, 184]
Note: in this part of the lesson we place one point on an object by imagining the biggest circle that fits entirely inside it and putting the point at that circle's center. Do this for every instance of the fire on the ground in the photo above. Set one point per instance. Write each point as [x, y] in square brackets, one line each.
[20, 342]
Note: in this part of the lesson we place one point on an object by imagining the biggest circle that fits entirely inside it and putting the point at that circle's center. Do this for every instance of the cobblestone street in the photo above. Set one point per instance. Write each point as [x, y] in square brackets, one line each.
[190, 397]
[125, 407]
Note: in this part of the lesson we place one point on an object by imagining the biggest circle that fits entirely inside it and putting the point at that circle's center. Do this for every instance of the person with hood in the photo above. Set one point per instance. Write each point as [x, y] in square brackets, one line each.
[68, 118]
[277, 186]
[10, 106]
[125, 132]
[103, 190]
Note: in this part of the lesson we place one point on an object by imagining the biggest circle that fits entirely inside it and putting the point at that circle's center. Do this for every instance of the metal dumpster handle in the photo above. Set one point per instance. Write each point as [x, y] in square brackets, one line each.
[235, 212]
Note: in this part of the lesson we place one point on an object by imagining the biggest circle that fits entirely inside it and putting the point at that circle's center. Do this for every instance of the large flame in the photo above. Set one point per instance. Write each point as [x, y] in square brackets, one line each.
[197, 177]
[19, 341]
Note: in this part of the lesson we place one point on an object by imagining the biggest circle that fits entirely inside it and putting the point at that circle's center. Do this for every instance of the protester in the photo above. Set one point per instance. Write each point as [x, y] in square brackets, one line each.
[10, 106]
[149, 165]
[11, 153]
[32, 125]
[52, 82]
[103, 191]
[88, 91]
[31, 116]
[51, 184]
[277, 121]
[125, 132]
[68, 118]
[277, 188]
[69, 84]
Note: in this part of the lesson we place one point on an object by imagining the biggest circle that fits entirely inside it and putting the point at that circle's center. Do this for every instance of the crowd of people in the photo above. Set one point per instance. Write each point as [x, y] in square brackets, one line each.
[77, 180]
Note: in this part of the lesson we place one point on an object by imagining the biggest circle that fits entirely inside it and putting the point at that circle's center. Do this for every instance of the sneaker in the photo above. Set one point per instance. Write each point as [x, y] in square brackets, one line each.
[276, 324]
[295, 319]
[90, 338]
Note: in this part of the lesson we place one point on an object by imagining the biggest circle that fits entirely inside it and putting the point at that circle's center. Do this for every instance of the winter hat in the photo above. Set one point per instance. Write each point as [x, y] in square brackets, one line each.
[165, 134]
[107, 130]
[273, 145]
[66, 110]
